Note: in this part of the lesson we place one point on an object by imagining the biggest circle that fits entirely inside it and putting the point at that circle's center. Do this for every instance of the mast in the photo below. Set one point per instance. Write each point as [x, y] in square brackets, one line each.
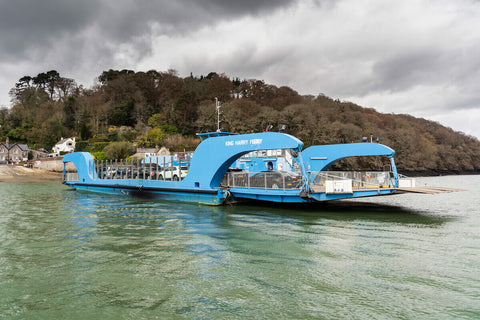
[217, 106]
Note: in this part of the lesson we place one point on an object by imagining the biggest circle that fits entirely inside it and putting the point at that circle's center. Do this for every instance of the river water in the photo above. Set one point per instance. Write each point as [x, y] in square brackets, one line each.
[66, 254]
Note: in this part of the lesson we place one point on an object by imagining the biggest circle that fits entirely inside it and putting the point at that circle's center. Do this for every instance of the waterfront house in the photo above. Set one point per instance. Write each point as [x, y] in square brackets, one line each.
[145, 152]
[3, 153]
[13, 152]
[64, 145]
[151, 152]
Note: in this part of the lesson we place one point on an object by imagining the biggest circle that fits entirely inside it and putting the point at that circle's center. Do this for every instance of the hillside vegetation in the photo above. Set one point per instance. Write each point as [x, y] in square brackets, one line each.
[160, 108]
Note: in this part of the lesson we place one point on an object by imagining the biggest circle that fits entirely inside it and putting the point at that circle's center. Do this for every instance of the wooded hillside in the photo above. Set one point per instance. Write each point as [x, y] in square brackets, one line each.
[161, 108]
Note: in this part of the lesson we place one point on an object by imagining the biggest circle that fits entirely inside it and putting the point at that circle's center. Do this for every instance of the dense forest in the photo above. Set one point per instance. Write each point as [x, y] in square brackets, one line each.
[163, 109]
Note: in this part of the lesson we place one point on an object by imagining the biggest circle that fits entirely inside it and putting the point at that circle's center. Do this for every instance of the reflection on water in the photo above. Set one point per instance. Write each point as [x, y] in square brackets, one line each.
[351, 211]
[85, 255]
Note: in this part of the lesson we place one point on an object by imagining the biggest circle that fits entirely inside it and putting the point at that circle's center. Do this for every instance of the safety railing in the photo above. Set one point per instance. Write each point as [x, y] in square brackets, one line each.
[346, 180]
[135, 169]
[71, 176]
[265, 180]
[360, 179]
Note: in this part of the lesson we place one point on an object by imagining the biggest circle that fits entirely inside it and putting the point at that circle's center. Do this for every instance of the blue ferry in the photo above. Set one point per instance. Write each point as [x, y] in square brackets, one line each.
[210, 176]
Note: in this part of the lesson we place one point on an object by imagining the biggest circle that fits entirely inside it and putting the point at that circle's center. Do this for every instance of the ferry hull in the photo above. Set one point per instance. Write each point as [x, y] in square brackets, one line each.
[296, 196]
[213, 197]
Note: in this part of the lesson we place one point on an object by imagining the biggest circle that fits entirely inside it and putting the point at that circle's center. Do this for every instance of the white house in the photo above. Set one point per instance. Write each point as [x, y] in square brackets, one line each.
[65, 145]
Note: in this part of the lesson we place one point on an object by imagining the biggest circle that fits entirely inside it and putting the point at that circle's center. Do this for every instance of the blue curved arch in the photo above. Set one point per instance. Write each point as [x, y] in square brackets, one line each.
[214, 156]
[320, 158]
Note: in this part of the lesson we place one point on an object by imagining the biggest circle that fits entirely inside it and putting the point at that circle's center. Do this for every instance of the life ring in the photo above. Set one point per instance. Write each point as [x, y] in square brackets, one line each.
[366, 177]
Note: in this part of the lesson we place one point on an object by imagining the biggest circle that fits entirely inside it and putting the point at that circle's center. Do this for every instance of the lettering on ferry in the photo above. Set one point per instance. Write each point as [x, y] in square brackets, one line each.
[241, 142]
[245, 142]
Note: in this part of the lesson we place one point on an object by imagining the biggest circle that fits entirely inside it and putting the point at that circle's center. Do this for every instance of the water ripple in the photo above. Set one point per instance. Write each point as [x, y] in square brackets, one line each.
[85, 255]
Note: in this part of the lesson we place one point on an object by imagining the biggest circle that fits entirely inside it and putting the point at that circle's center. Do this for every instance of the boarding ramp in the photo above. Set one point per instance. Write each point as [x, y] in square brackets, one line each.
[406, 184]
[357, 181]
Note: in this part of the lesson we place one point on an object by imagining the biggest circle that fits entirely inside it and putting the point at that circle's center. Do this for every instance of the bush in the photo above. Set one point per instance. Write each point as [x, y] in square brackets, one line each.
[180, 143]
[82, 146]
[155, 136]
[169, 129]
[113, 136]
[99, 156]
[99, 146]
[119, 150]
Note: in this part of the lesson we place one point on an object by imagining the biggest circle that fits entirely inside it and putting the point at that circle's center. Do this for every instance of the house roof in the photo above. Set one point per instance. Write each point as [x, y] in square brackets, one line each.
[22, 147]
[147, 150]
[63, 140]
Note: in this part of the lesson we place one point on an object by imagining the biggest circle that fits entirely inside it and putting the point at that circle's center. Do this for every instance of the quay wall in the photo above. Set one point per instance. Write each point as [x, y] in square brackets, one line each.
[52, 164]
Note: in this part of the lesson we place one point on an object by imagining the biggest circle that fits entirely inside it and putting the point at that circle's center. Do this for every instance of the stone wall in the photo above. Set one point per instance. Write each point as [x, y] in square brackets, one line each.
[52, 164]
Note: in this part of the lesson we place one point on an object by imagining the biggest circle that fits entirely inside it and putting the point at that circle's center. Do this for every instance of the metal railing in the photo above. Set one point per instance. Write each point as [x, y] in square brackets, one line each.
[360, 179]
[71, 176]
[290, 180]
[175, 170]
[264, 180]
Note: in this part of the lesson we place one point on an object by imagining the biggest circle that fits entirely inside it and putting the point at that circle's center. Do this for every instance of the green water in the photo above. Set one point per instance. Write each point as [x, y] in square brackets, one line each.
[72, 255]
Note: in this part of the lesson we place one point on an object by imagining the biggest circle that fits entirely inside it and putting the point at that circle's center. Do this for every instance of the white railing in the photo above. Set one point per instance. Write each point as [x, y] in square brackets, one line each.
[71, 176]
[344, 181]
[264, 180]
[360, 179]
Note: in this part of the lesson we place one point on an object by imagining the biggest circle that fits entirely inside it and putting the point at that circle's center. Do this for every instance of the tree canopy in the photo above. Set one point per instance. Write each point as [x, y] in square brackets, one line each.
[158, 108]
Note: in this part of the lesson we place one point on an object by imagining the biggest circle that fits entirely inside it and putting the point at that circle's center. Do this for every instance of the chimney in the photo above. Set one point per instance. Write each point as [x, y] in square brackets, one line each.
[7, 142]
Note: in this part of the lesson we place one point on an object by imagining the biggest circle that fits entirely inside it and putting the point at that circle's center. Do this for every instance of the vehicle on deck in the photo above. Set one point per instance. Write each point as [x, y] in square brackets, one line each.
[172, 173]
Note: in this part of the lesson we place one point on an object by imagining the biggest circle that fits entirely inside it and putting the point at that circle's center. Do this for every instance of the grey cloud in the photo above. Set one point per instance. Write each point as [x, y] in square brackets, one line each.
[402, 71]
[30, 26]
[447, 67]
[244, 6]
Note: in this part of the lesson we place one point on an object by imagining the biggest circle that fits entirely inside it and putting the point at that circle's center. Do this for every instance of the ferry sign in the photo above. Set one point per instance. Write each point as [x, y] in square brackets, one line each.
[243, 142]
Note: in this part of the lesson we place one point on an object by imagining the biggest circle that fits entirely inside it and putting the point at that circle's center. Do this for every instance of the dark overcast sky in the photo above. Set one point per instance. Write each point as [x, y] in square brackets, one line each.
[416, 56]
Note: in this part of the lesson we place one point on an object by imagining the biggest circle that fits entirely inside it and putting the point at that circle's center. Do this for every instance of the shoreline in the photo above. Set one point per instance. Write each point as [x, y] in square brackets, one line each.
[13, 173]
[437, 173]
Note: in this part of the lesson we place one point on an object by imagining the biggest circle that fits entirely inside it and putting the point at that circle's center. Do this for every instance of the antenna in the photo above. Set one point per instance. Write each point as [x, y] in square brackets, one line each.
[217, 106]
